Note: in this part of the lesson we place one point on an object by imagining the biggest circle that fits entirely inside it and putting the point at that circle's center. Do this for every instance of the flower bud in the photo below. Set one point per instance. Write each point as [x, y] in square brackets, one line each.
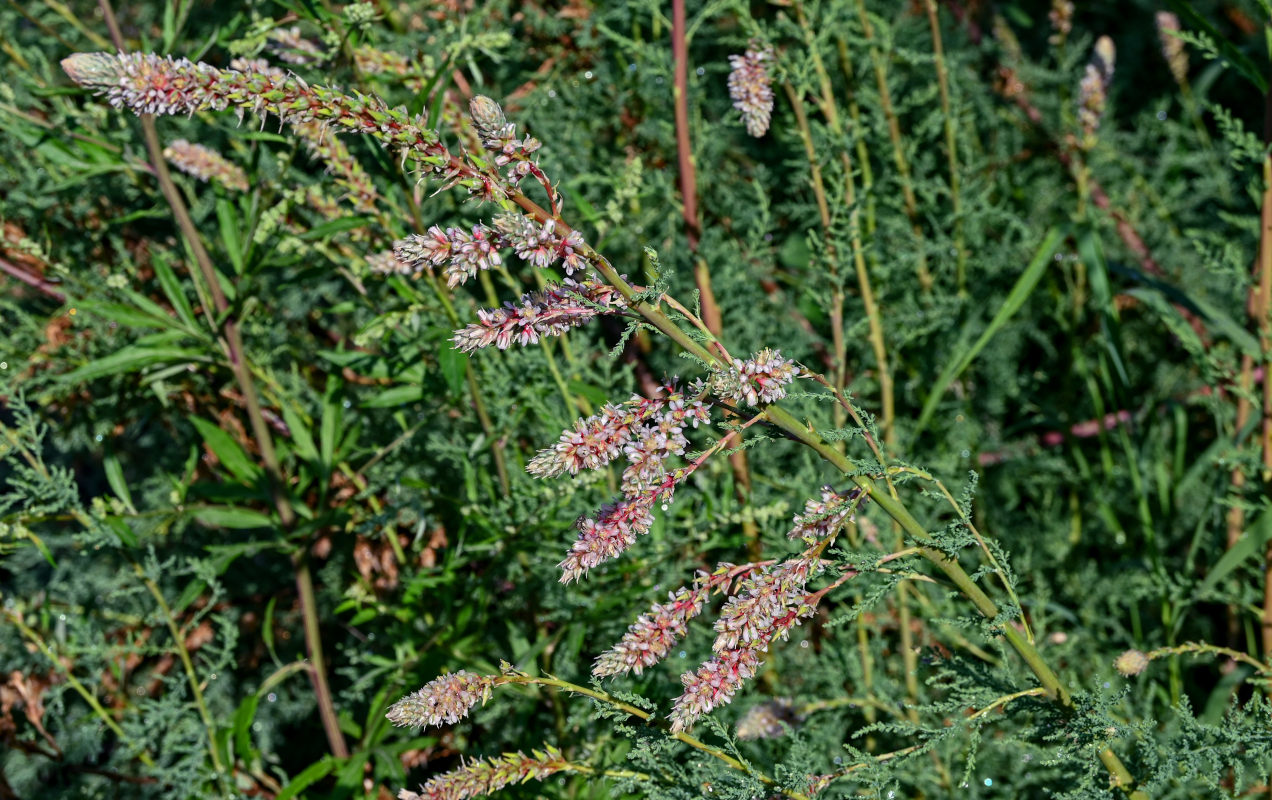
[487, 115]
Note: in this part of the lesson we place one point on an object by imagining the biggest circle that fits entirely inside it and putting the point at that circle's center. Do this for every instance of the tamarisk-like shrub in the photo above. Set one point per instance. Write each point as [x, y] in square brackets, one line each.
[795, 573]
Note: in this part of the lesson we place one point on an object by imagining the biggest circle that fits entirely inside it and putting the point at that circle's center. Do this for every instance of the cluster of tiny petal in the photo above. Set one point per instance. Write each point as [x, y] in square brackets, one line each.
[205, 164]
[548, 313]
[1093, 89]
[292, 48]
[765, 607]
[713, 685]
[592, 443]
[649, 431]
[386, 263]
[767, 720]
[653, 634]
[761, 379]
[750, 86]
[536, 244]
[149, 84]
[1061, 17]
[464, 253]
[822, 518]
[484, 777]
[613, 530]
[447, 699]
[500, 136]
[1172, 46]
[325, 146]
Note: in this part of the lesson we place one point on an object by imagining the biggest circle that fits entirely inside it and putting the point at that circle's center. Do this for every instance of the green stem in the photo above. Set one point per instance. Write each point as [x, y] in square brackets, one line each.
[898, 146]
[951, 143]
[196, 691]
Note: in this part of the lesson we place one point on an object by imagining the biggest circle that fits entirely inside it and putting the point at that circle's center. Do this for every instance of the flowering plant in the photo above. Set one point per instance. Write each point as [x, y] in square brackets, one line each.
[864, 636]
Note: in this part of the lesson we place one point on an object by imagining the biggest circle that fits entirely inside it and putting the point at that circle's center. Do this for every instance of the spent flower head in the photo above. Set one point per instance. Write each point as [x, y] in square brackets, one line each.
[768, 719]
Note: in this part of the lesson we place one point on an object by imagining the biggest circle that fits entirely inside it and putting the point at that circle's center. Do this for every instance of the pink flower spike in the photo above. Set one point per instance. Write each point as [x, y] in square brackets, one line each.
[750, 87]
[653, 634]
[590, 444]
[447, 699]
[549, 313]
[712, 685]
[613, 531]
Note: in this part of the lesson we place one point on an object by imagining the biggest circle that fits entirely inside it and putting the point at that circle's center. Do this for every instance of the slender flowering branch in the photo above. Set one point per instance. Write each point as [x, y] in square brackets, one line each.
[479, 778]
[149, 84]
[548, 313]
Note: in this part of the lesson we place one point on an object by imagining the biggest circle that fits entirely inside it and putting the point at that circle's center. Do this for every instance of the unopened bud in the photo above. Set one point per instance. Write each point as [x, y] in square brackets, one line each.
[486, 113]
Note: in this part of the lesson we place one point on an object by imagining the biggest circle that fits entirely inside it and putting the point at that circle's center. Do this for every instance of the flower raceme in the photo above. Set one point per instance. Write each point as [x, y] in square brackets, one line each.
[150, 84]
[447, 699]
[750, 87]
[205, 164]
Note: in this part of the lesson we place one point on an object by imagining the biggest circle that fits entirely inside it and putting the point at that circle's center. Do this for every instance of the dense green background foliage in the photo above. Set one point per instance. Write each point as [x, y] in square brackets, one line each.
[152, 635]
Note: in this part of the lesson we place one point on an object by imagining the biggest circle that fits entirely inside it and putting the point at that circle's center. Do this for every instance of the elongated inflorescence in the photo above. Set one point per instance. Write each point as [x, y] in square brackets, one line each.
[447, 699]
[1172, 46]
[650, 638]
[326, 147]
[463, 253]
[547, 313]
[1094, 88]
[750, 87]
[460, 253]
[205, 164]
[486, 776]
[150, 84]
[766, 607]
